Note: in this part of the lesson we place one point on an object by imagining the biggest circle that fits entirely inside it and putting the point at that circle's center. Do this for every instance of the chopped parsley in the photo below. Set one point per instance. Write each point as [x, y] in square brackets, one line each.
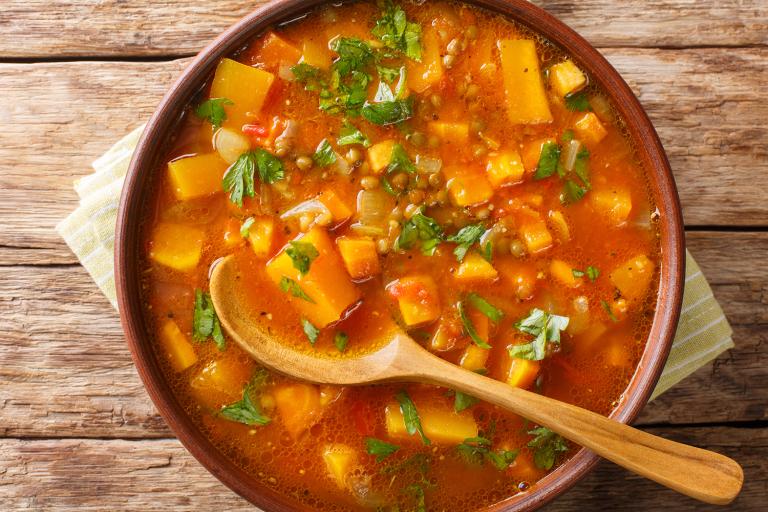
[469, 327]
[400, 161]
[577, 102]
[313, 78]
[592, 273]
[239, 178]
[246, 227]
[212, 110]
[302, 255]
[478, 449]
[548, 160]
[288, 285]
[546, 327]
[341, 340]
[485, 307]
[411, 416]
[423, 229]
[324, 154]
[575, 188]
[379, 448]
[310, 330]
[205, 323]
[397, 33]
[389, 107]
[466, 238]
[546, 445]
[246, 410]
[567, 136]
[463, 401]
[607, 308]
[351, 135]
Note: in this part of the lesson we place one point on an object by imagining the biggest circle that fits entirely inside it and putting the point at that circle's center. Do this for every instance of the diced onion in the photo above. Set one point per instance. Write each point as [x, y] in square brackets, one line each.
[284, 72]
[571, 152]
[373, 207]
[230, 144]
[428, 165]
[312, 207]
[341, 165]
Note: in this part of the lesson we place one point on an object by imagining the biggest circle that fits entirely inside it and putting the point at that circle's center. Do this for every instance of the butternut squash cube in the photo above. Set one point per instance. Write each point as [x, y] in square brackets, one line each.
[526, 98]
[440, 424]
[475, 268]
[276, 51]
[633, 277]
[521, 372]
[196, 176]
[380, 155]
[566, 78]
[340, 210]
[221, 381]
[505, 168]
[316, 54]
[563, 273]
[536, 236]
[614, 205]
[260, 236]
[418, 299]
[298, 405]
[339, 460]
[422, 75]
[589, 129]
[326, 283]
[467, 187]
[176, 347]
[360, 256]
[176, 246]
[474, 357]
[452, 133]
[246, 86]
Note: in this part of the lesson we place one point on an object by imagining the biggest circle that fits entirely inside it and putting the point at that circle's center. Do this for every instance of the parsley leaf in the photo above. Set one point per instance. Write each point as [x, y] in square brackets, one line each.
[423, 229]
[313, 78]
[577, 102]
[387, 73]
[546, 445]
[577, 273]
[567, 136]
[397, 33]
[411, 416]
[548, 160]
[324, 154]
[341, 340]
[213, 111]
[246, 226]
[288, 285]
[607, 308]
[246, 410]
[485, 307]
[477, 449]
[572, 192]
[388, 107]
[470, 328]
[400, 161]
[310, 330]
[239, 178]
[351, 135]
[466, 238]
[354, 55]
[205, 323]
[302, 254]
[379, 448]
[593, 273]
[545, 327]
[463, 401]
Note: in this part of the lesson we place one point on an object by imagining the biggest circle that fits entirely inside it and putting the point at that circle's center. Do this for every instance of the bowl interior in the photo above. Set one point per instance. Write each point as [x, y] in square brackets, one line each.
[151, 148]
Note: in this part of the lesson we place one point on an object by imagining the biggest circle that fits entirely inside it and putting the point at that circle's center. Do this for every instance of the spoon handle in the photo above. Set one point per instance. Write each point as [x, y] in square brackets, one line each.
[701, 474]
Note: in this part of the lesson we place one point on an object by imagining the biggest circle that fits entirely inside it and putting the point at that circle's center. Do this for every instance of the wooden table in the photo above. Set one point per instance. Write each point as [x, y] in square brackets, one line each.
[77, 429]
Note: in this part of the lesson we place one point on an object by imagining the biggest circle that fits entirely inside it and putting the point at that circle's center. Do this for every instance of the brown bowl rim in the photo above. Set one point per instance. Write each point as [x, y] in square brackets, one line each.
[152, 144]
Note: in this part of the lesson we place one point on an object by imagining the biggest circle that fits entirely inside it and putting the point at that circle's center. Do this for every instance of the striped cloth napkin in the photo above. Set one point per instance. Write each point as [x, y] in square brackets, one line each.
[702, 335]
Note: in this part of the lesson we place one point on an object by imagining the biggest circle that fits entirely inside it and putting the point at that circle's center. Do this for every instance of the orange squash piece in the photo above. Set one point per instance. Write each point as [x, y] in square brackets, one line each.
[526, 98]
[298, 405]
[196, 176]
[245, 86]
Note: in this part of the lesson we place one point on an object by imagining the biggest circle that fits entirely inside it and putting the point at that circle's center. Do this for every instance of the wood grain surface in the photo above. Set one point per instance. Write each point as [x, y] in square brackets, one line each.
[77, 430]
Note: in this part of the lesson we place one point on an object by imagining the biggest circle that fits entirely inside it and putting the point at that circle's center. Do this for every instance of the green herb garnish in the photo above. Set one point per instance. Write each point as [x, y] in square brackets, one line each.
[246, 410]
[351, 135]
[397, 33]
[478, 449]
[577, 102]
[422, 229]
[288, 285]
[388, 107]
[608, 310]
[546, 445]
[548, 160]
[466, 238]
[310, 330]
[411, 416]
[324, 154]
[246, 227]
[341, 340]
[379, 448]
[485, 307]
[212, 110]
[205, 323]
[302, 255]
[546, 327]
[400, 161]
[463, 401]
[239, 178]
[470, 328]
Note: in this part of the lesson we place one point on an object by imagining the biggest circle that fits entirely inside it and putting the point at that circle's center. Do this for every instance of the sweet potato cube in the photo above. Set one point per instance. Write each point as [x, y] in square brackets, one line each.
[475, 268]
[422, 75]
[536, 236]
[339, 460]
[176, 347]
[505, 168]
[380, 155]
[326, 283]
[440, 424]
[298, 405]
[563, 273]
[176, 246]
[316, 54]
[360, 256]
[589, 129]
[276, 51]
[566, 78]
[246, 86]
[452, 133]
[532, 153]
[417, 297]
[614, 205]
[260, 236]
[633, 277]
[526, 98]
[521, 372]
[467, 187]
[221, 381]
[474, 357]
[196, 176]
[340, 210]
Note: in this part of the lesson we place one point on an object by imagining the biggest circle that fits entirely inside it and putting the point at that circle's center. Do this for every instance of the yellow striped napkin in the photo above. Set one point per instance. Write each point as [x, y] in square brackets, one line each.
[702, 335]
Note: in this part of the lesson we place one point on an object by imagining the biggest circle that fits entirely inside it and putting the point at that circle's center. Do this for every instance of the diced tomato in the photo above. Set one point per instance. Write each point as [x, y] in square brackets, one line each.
[255, 130]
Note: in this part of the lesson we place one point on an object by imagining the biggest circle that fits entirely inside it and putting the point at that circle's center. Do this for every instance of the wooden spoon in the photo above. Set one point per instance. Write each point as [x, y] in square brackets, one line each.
[701, 474]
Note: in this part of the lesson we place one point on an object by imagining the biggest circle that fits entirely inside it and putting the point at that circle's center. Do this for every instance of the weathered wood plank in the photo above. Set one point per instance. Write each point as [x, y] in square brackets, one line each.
[64, 115]
[72, 28]
[160, 475]
[65, 369]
